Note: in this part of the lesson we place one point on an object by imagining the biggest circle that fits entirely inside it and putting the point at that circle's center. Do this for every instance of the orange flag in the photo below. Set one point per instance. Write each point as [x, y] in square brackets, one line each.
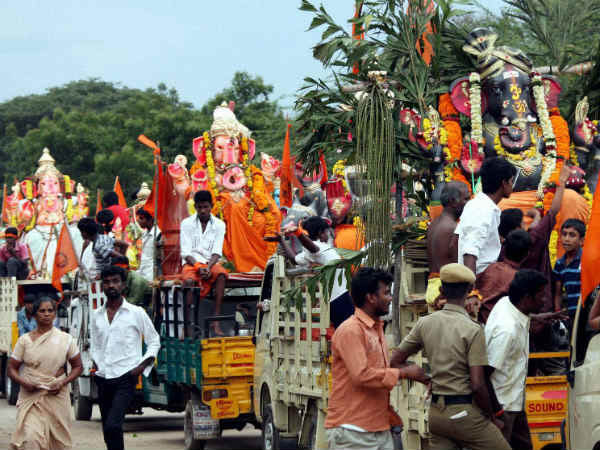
[590, 275]
[119, 192]
[285, 190]
[65, 259]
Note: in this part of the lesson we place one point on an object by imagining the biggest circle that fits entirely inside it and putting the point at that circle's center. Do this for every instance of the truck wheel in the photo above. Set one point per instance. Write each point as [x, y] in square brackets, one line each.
[189, 443]
[270, 434]
[82, 405]
[11, 388]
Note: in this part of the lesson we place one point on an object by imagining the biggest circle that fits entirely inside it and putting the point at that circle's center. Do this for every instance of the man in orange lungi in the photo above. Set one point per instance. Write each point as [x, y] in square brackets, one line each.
[201, 240]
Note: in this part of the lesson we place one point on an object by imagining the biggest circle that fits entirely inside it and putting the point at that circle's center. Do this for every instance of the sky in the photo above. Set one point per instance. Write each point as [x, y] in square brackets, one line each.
[194, 46]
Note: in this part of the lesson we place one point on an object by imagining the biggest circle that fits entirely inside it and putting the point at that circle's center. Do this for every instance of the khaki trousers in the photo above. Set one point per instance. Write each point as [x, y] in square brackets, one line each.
[456, 426]
[342, 438]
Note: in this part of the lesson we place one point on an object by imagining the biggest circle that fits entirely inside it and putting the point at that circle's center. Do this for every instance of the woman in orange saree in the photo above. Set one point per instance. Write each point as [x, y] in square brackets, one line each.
[44, 414]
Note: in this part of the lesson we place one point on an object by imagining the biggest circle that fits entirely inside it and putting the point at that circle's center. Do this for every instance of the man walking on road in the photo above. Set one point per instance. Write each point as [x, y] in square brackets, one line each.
[359, 415]
[461, 413]
[118, 328]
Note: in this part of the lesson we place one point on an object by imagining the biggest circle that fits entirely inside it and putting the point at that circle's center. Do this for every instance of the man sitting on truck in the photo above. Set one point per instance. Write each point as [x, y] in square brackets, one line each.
[359, 414]
[13, 256]
[201, 239]
[314, 234]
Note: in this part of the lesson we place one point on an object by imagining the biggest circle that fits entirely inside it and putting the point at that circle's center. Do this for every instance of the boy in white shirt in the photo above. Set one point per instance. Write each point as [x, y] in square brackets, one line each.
[314, 234]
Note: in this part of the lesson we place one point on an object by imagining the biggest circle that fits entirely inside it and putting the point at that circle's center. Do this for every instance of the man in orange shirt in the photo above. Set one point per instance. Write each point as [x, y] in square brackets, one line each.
[359, 415]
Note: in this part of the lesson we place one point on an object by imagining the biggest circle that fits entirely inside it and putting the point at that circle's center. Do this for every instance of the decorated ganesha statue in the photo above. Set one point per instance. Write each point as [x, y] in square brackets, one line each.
[241, 198]
[513, 114]
[44, 202]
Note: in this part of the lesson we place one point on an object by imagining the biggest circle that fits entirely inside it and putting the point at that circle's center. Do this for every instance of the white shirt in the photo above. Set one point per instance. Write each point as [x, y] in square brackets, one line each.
[507, 340]
[199, 244]
[478, 231]
[326, 254]
[146, 268]
[117, 346]
[87, 267]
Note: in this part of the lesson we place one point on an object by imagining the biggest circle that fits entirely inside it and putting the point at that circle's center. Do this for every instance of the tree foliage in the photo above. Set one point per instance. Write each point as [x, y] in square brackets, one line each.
[91, 128]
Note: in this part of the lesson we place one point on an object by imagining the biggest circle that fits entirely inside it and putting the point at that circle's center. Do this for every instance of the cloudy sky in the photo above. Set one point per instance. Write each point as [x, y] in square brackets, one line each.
[194, 46]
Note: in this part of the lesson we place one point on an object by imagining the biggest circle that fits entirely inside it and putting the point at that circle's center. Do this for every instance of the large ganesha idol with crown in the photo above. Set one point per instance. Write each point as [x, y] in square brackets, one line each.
[513, 114]
[43, 203]
[242, 199]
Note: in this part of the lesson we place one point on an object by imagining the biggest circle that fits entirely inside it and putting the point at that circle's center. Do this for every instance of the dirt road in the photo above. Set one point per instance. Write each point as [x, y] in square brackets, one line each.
[152, 430]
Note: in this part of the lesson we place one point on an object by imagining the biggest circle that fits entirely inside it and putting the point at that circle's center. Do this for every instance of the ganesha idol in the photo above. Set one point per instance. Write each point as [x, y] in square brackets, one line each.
[513, 114]
[271, 169]
[242, 199]
[45, 204]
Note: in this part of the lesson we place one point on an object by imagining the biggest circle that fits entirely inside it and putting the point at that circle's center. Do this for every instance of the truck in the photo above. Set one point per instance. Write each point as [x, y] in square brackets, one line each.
[581, 429]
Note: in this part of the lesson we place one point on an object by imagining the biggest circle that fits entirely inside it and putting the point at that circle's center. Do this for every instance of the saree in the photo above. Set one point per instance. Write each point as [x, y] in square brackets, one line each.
[44, 420]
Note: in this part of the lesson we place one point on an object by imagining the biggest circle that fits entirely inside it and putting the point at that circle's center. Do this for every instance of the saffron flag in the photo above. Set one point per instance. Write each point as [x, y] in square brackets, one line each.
[590, 275]
[285, 190]
[65, 259]
[119, 193]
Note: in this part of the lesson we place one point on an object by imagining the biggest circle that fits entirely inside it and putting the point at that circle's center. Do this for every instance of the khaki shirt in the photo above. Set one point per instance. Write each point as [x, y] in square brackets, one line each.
[452, 342]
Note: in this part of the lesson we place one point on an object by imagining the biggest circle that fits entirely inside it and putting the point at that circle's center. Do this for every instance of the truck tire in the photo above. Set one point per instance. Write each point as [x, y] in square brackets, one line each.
[82, 405]
[189, 443]
[11, 388]
[270, 434]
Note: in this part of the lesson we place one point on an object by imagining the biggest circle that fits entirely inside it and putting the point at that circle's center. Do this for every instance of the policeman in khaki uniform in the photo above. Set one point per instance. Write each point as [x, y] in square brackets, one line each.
[461, 413]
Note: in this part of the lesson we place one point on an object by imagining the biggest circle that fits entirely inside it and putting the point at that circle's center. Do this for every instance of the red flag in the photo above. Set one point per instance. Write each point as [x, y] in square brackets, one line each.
[323, 163]
[590, 275]
[119, 193]
[65, 259]
[285, 190]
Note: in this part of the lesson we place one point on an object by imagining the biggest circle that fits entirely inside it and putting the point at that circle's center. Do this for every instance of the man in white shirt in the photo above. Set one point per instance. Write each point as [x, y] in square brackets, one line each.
[201, 239]
[117, 331]
[151, 231]
[314, 235]
[507, 341]
[478, 238]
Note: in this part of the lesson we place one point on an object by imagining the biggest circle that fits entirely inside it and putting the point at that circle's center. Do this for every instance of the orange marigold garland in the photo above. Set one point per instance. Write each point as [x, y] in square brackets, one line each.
[561, 132]
[452, 171]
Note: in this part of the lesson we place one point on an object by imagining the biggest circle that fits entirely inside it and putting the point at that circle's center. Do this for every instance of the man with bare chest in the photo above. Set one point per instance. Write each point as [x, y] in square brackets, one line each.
[442, 244]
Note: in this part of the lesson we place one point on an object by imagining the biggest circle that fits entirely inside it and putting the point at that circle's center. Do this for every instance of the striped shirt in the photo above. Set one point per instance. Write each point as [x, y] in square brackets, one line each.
[570, 279]
[102, 248]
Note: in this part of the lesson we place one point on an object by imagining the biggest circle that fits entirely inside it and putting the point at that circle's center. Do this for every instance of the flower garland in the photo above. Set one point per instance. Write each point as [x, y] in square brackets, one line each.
[526, 160]
[339, 171]
[261, 201]
[210, 165]
[562, 139]
[476, 115]
[452, 150]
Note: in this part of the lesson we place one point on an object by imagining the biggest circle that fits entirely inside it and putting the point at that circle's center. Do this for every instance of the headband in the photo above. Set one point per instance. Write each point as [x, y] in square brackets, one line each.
[12, 235]
[122, 266]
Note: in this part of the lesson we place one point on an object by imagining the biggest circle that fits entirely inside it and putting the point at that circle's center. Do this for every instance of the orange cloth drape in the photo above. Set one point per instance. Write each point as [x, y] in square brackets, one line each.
[349, 237]
[244, 244]
[590, 275]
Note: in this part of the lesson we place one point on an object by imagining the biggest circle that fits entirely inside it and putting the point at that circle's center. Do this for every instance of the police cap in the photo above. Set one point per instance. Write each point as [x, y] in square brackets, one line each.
[456, 273]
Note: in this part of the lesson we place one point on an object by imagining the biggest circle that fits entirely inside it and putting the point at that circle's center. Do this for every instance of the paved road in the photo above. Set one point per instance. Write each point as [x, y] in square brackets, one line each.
[152, 430]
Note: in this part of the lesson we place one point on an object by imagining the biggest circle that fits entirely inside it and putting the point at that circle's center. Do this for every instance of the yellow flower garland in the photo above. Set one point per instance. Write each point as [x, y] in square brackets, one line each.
[522, 156]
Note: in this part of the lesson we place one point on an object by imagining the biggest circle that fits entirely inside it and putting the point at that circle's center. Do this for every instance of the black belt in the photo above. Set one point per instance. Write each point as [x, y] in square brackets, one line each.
[453, 399]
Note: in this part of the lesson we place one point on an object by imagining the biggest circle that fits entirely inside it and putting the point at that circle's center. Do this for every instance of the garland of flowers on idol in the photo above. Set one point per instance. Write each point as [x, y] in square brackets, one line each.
[29, 196]
[339, 171]
[212, 183]
[68, 195]
[452, 148]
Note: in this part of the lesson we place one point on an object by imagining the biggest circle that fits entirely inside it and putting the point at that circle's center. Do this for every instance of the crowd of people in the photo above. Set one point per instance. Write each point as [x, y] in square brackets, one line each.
[491, 286]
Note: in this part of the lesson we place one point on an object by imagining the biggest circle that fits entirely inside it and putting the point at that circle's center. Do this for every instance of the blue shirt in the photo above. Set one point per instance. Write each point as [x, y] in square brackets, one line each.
[26, 325]
[570, 279]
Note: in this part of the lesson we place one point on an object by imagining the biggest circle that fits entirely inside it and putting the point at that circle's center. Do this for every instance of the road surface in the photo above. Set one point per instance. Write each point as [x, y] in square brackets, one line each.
[153, 430]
